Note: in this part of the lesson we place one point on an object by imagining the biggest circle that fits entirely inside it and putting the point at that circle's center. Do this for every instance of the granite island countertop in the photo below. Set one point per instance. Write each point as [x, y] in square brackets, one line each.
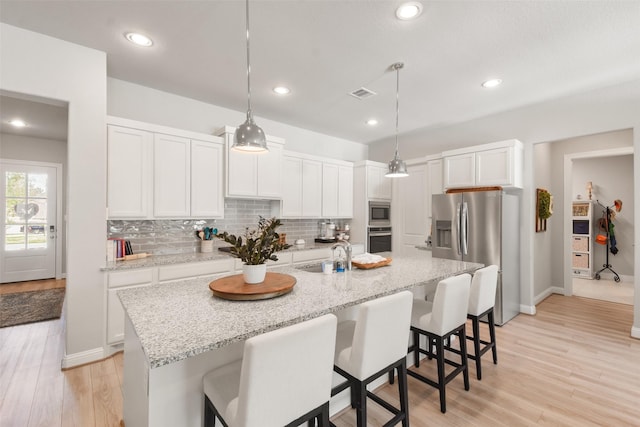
[175, 321]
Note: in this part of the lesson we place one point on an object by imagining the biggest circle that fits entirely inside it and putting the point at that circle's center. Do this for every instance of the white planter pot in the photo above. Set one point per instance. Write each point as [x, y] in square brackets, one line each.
[254, 274]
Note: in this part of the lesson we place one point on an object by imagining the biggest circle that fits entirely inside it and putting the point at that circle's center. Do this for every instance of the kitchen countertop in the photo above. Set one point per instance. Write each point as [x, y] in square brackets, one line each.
[179, 320]
[181, 258]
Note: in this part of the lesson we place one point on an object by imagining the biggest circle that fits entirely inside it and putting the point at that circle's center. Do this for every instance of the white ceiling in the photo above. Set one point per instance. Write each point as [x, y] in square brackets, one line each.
[324, 49]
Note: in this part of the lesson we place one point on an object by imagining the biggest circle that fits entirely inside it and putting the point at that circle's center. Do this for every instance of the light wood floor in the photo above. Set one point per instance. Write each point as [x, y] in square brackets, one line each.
[572, 364]
[34, 285]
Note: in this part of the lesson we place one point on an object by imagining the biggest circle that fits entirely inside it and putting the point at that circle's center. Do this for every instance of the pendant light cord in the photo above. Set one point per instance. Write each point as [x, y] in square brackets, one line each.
[249, 114]
[397, 66]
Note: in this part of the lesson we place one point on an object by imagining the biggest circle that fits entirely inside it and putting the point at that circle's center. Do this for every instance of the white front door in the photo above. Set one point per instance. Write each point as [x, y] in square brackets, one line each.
[28, 221]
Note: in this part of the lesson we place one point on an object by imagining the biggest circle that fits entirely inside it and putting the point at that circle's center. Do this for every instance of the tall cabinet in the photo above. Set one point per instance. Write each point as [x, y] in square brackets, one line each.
[582, 238]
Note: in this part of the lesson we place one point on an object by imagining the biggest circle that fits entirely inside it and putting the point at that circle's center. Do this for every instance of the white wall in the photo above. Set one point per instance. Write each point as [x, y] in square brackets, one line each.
[612, 179]
[42, 66]
[145, 104]
[18, 147]
[543, 240]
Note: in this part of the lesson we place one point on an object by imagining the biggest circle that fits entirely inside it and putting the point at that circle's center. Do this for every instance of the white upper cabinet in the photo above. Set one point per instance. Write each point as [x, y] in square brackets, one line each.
[207, 194]
[159, 172]
[337, 190]
[378, 186]
[129, 186]
[171, 176]
[345, 191]
[311, 188]
[495, 164]
[330, 190]
[460, 170]
[316, 187]
[302, 188]
[253, 175]
[434, 181]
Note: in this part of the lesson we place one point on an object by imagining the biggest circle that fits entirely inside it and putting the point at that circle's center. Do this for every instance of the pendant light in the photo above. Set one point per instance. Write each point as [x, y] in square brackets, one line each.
[397, 167]
[249, 136]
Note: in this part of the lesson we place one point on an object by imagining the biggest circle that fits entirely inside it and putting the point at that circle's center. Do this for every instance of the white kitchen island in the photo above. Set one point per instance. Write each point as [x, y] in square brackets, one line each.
[176, 332]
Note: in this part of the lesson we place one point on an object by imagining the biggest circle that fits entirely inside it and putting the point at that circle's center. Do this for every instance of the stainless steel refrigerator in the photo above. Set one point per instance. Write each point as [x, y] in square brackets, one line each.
[483, 227]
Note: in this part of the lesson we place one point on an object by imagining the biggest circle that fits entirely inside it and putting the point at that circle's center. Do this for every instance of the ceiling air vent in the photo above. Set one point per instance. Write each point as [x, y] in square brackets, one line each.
[362, 93]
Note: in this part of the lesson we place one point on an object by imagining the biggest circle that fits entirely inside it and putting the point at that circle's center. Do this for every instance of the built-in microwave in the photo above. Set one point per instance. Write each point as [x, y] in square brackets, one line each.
[379, 214]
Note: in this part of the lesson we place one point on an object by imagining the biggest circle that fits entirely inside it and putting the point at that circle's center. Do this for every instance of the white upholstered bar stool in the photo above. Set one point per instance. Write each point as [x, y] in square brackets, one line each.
[370, 347]
[439, 321]
[283, 379]
[482, 300]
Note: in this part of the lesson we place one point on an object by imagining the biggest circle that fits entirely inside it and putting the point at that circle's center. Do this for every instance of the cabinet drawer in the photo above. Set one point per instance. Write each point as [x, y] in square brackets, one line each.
[580, 244]
[130, 277]
[183, 271]
[580, 261]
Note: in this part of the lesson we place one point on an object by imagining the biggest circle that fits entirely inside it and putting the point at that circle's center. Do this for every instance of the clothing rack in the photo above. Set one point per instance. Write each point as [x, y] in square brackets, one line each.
[606, 265]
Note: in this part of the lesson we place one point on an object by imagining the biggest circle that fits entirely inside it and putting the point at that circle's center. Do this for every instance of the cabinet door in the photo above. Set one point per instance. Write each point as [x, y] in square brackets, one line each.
[379, 187]
[128, 172]
[312, 188]
[269, 178]
[460, 171]
[292, 188]
[494, 167]
[330, 190]
[411, 199]
[345, 192]
[434, 182]
[171, 176]
[242, 172]
[115, 316]
[207, 198]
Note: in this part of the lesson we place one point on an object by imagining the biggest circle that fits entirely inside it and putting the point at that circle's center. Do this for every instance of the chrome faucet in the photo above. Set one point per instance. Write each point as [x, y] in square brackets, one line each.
[346, 247]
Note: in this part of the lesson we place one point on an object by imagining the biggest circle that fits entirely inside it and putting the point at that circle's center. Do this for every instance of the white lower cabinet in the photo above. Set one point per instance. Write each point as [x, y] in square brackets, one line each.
[117, 281]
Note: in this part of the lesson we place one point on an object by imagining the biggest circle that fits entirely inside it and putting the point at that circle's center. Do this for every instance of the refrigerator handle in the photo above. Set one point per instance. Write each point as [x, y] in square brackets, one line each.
[458, 227]
[464, 226]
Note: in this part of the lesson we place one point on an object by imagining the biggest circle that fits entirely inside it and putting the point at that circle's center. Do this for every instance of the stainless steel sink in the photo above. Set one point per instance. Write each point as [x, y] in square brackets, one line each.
[310, 268]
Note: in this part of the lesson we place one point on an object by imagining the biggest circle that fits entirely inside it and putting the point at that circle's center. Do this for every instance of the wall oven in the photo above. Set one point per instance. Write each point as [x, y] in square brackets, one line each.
[379, 239]
[379, 214]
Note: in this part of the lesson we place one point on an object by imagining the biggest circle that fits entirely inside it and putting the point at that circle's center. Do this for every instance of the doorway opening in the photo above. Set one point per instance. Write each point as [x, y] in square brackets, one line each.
[32, 193]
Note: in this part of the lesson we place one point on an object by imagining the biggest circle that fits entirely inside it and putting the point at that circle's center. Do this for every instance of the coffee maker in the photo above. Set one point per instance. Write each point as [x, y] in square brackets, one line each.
[326, 232]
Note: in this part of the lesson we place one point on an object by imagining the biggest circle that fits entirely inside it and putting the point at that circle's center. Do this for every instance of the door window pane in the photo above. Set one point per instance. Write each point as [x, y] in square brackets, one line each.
[14, 237]
[37, 185]
[16, 184]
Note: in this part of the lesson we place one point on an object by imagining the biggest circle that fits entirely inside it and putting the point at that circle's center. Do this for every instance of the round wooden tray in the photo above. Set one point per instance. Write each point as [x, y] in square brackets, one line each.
[234, 288]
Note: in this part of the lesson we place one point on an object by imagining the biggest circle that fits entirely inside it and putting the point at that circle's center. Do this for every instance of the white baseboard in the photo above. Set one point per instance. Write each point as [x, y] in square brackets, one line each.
[635, 332]
[528, 309]
[82, 358]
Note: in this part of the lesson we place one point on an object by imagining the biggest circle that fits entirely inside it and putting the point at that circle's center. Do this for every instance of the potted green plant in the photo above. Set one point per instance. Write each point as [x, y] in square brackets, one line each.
[255, 247]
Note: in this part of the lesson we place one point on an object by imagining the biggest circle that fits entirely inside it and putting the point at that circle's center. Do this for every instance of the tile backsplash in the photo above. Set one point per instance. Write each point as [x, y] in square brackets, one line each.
[178, 236]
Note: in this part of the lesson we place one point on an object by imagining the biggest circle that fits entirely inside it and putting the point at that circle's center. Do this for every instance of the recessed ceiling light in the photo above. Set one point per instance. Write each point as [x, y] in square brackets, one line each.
[372, 122]
[281, 90]
[139, 39]
[492, 83]
[19, 123]
[410, 10]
